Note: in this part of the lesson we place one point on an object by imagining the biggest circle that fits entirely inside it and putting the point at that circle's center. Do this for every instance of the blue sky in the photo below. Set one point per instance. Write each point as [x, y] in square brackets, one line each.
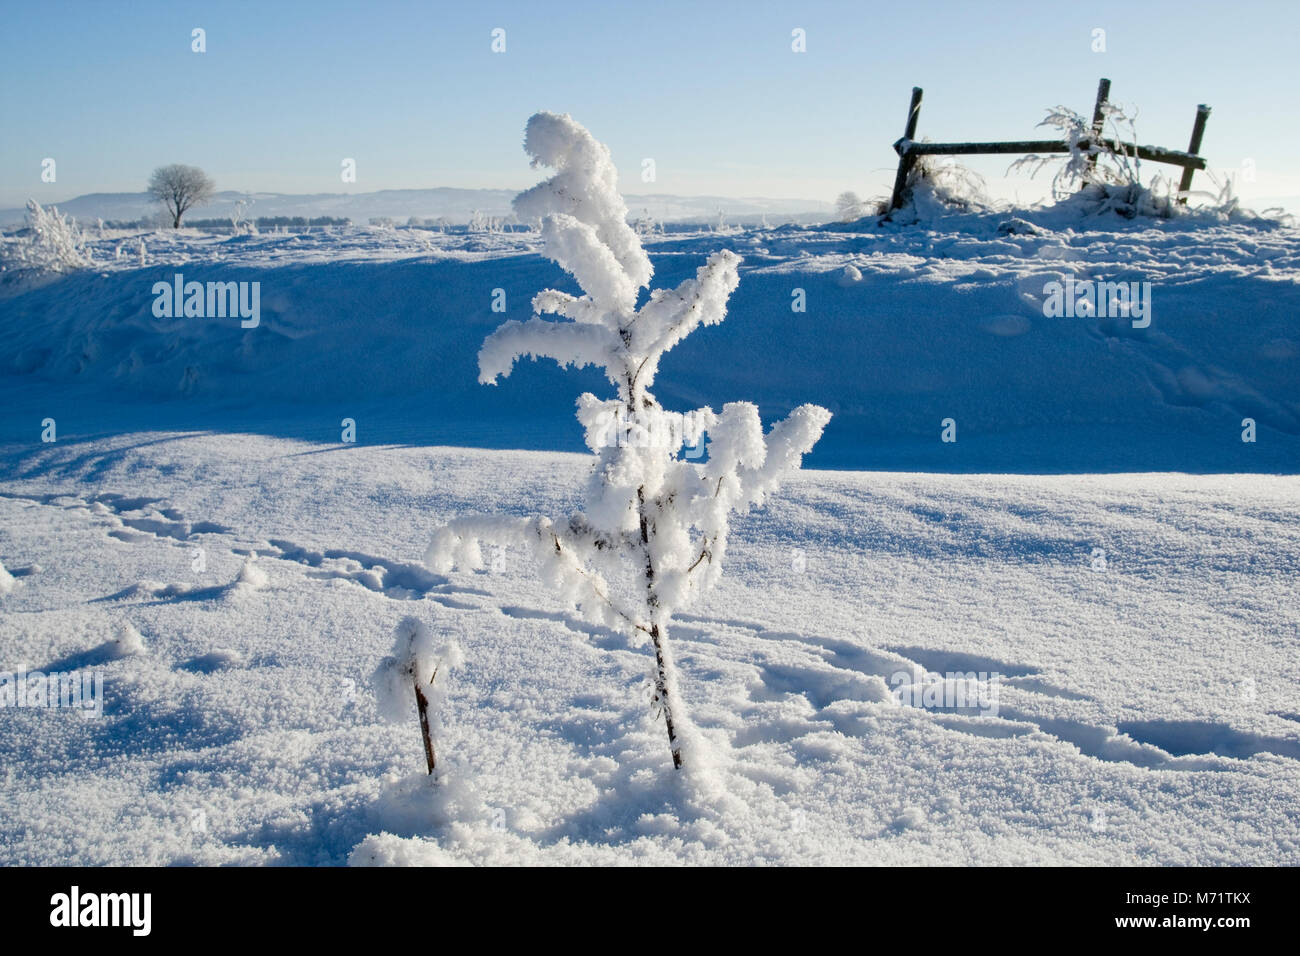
[713, 93]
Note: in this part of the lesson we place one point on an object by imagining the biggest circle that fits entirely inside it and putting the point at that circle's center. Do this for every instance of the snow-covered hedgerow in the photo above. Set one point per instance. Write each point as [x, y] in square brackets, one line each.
[654, 534]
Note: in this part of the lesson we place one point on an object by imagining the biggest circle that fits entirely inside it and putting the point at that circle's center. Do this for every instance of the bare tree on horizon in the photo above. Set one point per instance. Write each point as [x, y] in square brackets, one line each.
[179, 188]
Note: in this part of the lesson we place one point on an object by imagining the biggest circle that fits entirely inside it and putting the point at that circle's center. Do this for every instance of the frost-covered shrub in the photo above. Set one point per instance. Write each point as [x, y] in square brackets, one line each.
[240, 224]
[54, 242]
[480, 222]
[1159, 199]
[1098, 163]
[1103, 176]
[941, 186]
[850, 207]
[1222, 205]
[1126, 200]
[654, 534]
[647, 226]
[405, 680]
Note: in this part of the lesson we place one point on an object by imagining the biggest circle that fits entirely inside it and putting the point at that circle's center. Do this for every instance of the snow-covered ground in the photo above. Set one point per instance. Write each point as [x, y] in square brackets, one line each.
[384, 326]
[1099, 548]
[1147, 710]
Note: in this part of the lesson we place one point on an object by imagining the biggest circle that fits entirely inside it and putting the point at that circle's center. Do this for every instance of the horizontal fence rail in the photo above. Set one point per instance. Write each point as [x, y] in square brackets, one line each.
[1156, 154]
[908, 148]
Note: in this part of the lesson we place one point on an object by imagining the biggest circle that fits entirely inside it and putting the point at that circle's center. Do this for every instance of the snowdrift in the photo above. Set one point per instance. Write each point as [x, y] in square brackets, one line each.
[902, 329]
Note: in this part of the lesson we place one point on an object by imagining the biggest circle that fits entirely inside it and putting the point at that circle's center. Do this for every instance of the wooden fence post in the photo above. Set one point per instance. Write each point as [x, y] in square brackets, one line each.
[1098, 119]
[905, 157]
[1194, 147]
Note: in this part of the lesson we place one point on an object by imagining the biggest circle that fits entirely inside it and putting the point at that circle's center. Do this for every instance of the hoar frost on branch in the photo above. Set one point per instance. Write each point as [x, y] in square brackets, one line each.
[649, 512]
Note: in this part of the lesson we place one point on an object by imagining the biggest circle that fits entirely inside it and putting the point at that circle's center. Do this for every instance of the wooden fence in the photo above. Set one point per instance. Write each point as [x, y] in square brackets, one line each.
[908, 149]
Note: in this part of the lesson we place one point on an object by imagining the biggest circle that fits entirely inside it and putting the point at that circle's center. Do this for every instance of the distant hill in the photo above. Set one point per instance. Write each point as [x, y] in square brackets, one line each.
[457, 205]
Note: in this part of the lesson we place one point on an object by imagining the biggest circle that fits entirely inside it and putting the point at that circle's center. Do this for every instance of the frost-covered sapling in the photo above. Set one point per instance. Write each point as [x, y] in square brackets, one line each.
[653, 519]
[407, 677]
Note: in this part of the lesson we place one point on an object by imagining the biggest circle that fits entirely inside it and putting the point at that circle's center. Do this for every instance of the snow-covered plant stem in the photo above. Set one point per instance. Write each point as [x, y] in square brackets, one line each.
[422, 705]
[409, 673]
[665, 693]
[650, 511]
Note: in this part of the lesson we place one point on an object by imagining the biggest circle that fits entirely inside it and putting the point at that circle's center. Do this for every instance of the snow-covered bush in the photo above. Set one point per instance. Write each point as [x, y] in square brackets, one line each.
[939, 186]
[1098, 163]
[54, 242]
[240, 224]
[1103, 176]
[654, 534]
[646, 225]
[406, 679]
[850, 207]
[481, 222]
[1158, 199]
[1223, 205]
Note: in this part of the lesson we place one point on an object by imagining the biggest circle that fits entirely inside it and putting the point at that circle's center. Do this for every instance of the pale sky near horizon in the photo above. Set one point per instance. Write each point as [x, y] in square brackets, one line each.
[716, 97]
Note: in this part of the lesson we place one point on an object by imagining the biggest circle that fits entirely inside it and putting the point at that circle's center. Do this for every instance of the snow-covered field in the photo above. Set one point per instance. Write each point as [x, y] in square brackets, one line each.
[384, 326]
[1099, 548]
[1147, 712]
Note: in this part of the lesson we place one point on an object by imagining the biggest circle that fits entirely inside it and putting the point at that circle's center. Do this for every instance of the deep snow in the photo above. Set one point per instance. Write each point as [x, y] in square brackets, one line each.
[247, 732]
[383, 326]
